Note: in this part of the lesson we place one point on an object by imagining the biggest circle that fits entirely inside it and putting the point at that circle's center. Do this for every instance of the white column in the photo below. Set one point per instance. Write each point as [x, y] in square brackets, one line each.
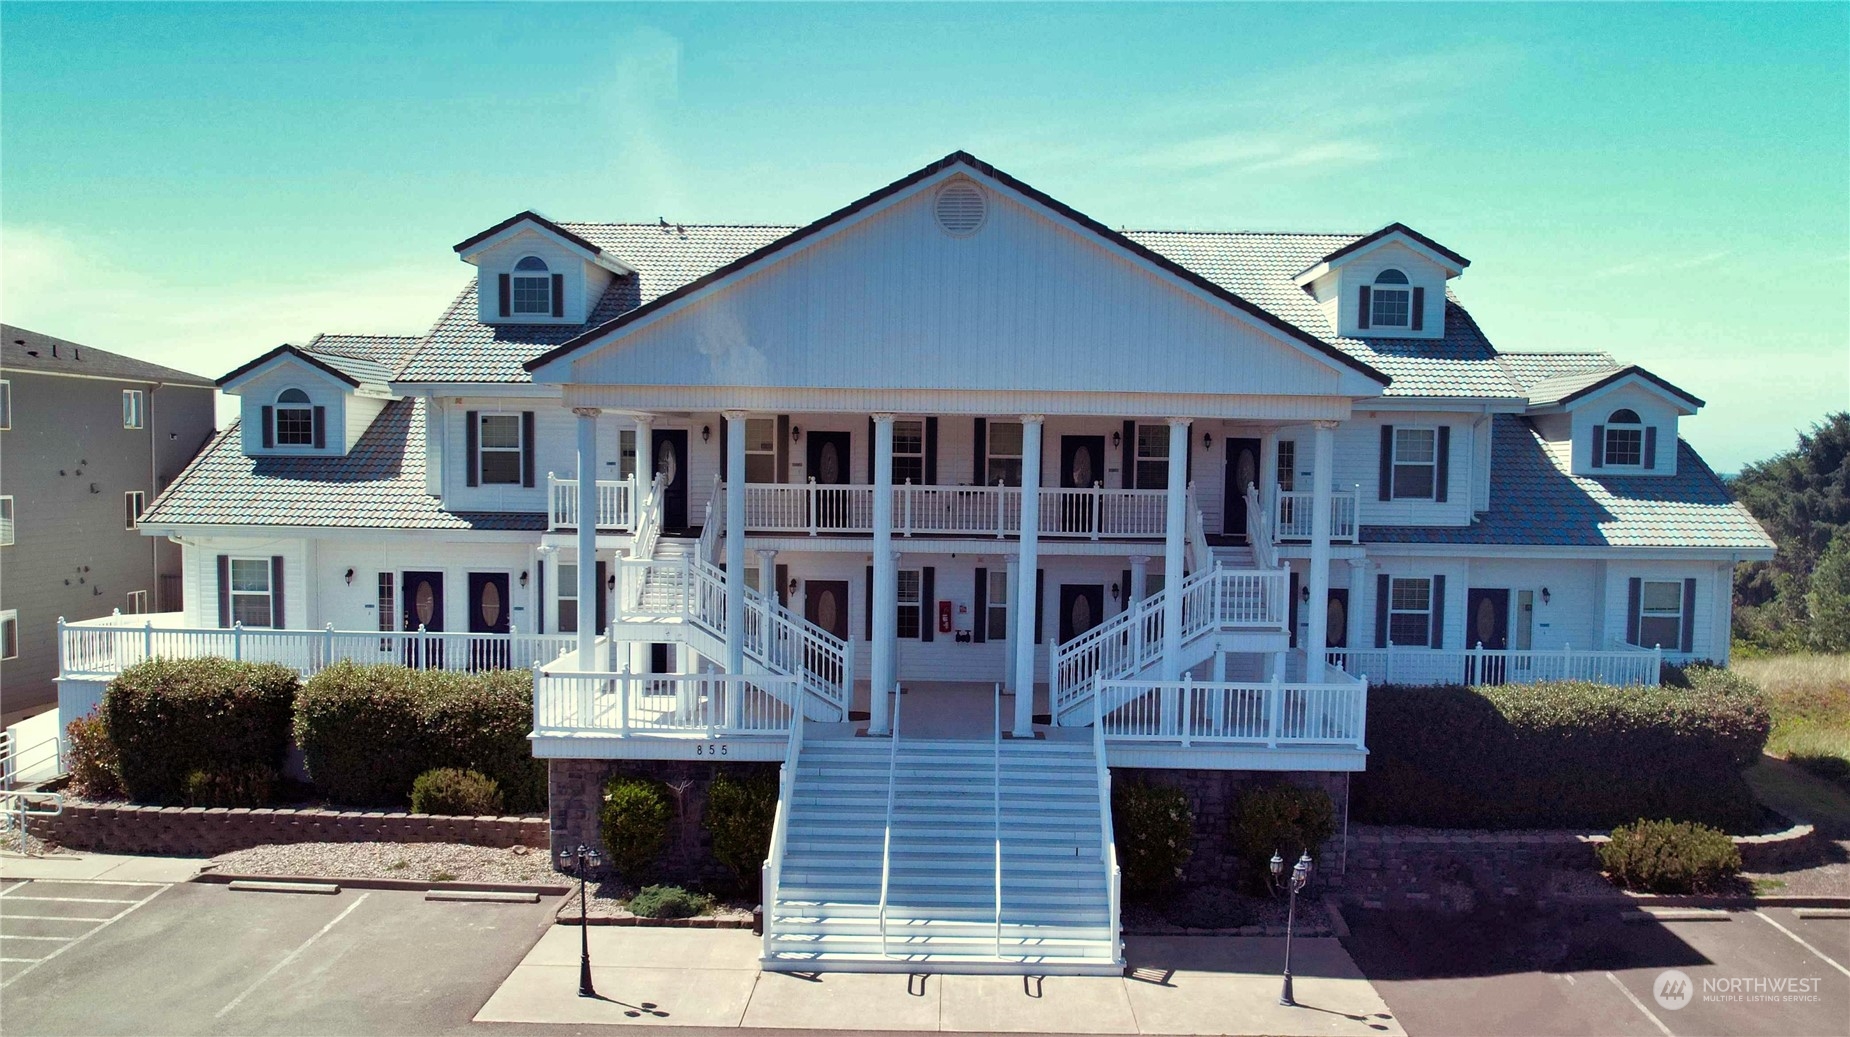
[886, 581]
[1317, 638]
[1026, 575]
[1358, 586]
[1140, 575]
[1268, 477]
[640, 651]
[1008, 636]
[767, 574]
[588, 590]
[735, 543]
[1175, 538]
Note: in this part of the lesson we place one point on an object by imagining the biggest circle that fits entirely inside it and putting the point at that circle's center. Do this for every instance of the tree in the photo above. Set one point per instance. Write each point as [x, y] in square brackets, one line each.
[1828, 603]
[1802, 498]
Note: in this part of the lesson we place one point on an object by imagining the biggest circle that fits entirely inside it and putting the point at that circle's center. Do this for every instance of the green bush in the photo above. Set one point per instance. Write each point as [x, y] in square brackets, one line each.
[633, 825]
[1282, 819]
[90, 757]
[169, 718]
[241, 787]
[668, 902]
[740, 814]
[1209, 907]
[1670, 857]
[458, 793]
[367, 732]
[1562, 754]
[1155, 831]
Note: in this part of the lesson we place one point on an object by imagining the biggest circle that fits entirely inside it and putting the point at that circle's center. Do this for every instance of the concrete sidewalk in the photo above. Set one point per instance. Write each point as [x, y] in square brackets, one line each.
[107, 867]
[1177, 985]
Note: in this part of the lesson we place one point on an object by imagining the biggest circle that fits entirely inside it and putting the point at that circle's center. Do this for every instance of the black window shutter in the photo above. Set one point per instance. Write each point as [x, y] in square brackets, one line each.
[1040, 592]
[1130, 455]
[539, 597]
[1124, 591]
[224, 589]
[558, 295]
[781, 574]
[1438, 612]
[276, 592]
[1650, 447]
[526, 448]
[1387, 462]
[1291, 610]
[321, 428]
[979, 459]
[979, 623]
[1361, 310]
[872, 449]
[1381, 611]
[1689, 616]
[603, 598]
[470, 448]
[1599, 446]
[931, 451]
[780, 463]
[1634, 597]
[269, 427]
[869, 624]
[1441, 476]
[1419, 309]
[928, 604]
[1188, 455]
[725, 454]
[505, 295]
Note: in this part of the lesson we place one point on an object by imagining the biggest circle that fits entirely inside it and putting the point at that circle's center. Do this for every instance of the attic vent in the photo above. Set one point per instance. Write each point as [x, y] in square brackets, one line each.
[961, 208]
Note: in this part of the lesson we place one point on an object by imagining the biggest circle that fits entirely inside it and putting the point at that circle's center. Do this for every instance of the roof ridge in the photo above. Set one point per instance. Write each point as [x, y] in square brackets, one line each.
[1247, 233]
[656, 225]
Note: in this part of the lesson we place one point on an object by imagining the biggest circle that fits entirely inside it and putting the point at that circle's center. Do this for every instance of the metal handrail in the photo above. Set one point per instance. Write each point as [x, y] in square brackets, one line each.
[1108, 847]
[771, 878]
[1194, 530]
[886, 847]
[11, 753]
[20, 804]
[996, 808]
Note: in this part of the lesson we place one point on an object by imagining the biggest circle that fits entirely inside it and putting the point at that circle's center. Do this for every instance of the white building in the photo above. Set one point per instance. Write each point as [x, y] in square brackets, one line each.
[960, 439]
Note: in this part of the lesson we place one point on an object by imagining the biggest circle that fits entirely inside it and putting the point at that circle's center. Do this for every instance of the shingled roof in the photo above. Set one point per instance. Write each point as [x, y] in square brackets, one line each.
[22, 350]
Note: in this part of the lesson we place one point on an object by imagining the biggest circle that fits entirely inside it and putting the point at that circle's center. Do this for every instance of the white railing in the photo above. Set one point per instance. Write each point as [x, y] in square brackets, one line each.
[771, 876]
[96, 650]
[623, 704]
[1108, 841]
[712, 524]
[814, 509]
[1201, 556]
[1270, 714]
[1295, 514]
[995, 809]
[886, 845]
[1403, 664]
[616, 502]
[17, 760]
[1259, 531]
[810, 508]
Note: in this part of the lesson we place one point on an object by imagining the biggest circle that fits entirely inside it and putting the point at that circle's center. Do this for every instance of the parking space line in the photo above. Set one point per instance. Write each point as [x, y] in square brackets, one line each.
[59, 918]
[104, 924]
[1633, 998]
[1828, 960]
[81, 900]
[22, 961]
[279, 966]
[60, 939]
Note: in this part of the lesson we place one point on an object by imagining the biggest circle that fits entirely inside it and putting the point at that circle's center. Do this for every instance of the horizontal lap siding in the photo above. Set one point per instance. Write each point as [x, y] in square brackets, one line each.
[1709, 639]
[1572, 616]
[1357, 451]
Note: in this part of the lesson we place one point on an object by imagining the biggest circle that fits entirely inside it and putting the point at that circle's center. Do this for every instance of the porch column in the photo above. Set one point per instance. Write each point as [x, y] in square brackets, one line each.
[1025, 578]
[1268, 478]
[1317, 638]
[1175, 538]
[588, 590]
[1358, 586]
[886, 582]
[767, 574]
[641, 651]
[1140, 575]
[1013, 591]
[735, 547]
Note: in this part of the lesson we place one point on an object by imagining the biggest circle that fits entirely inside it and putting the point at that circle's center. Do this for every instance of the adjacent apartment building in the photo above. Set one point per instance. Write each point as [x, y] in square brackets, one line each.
[87, 439]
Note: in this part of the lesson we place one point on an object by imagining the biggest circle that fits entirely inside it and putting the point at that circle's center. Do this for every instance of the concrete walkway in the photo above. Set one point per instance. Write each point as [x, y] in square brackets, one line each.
[1177, 985]
[108, 867]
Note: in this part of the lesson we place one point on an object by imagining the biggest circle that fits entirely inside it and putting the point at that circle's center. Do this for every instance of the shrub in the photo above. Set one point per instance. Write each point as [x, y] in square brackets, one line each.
[740, 814]
[1670, 857]
[633, 825]
[446, 790]
[1282, 819]
[1562, 754]
[169, 718]
[241, 787]
[668, 902]
[1155, 830]
[90, 757]
[1208, 907]
[367, 732]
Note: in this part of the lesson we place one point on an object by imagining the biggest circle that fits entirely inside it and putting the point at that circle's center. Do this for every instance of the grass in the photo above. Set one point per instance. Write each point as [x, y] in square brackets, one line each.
[1809, 697]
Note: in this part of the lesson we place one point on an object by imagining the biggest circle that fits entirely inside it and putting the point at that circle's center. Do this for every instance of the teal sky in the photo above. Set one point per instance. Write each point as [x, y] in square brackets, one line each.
[196, 183]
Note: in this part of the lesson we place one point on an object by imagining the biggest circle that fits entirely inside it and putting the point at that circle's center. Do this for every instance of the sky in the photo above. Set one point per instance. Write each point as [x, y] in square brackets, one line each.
[195, 184]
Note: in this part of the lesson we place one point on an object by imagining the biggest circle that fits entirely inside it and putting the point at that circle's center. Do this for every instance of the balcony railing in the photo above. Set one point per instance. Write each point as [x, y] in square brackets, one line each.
[1400, 664]
[1295, 511]
[616, 503]
[623, 705]
[814, 509]
[1217, 713]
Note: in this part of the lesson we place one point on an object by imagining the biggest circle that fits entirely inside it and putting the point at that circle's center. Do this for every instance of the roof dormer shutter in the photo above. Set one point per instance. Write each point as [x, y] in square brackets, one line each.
[558, 295]
[506, 295]
[321, 428]
[269, 427]
[1650, 447]
[1599, 446]
[1361, 308]
[1419, 309]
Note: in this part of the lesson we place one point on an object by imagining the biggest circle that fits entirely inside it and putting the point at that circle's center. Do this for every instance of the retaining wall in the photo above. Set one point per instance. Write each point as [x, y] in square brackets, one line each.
[208, 831]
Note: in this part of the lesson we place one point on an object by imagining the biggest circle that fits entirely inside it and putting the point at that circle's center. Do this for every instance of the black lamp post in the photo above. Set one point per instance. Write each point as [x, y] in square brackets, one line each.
[582, 860]
[1300, 874]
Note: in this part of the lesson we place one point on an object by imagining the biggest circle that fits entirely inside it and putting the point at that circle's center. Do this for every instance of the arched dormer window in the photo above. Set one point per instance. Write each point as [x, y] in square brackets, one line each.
[1624, 439]
[295, 419]
[1392, 302]
[532, 287]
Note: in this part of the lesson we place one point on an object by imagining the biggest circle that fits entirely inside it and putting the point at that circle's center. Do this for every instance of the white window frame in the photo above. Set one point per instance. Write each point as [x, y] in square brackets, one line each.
[916, 603]
[133, 408]
[137, 604]
[386, 599]
[6, 404]
[482, 449]
[134, 502]
[268, 594]
[305, 407]
[1404, 290]
[566, 573]
[1432, 486]
[1395, 610]
[909, 458]
[994, 457]
[626, 453]
[1159, 438]
[996, 605]
[8, 518]
[1658, 615]
[1287, 474]
[9, 634]
[1635, 428]
[519, 279]
[761, 446]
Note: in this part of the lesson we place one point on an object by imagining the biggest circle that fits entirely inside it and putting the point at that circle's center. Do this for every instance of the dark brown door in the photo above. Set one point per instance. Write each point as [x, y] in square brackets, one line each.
[1337, 631]
[1082, 466]
[1082, 607]
[670, 446]
[422, 608]
[828, 466]
[1487, 615]
[1242, 471]
[825, 603]
[488, 614]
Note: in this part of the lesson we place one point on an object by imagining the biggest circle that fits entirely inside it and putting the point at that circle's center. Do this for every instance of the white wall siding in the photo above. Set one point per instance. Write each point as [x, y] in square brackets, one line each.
[1358, 463]
[1652, 409]
[582, 287]
[361, 410]
[1709, 639]
[1571, 616]
[323, 390]
[1421, 273]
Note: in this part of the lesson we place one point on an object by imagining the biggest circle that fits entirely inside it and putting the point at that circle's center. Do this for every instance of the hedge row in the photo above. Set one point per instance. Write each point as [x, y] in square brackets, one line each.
[1562, 754]
[176, 723]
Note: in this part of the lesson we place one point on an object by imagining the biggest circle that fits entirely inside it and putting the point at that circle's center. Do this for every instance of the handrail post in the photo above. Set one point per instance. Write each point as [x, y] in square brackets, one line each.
[1186, 708]
[1098, 498]
[237, 640]
[327, 647]
[1276, 693]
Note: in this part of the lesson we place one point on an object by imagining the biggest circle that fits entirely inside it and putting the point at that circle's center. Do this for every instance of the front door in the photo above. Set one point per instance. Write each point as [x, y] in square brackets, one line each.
[1487, 615]
[828, 466]
[825, 603]
[1337, 632]
[488, 614]
[1082, 607]
[1242, 471]
[670, 446]
[422, 609]
[1082, 466]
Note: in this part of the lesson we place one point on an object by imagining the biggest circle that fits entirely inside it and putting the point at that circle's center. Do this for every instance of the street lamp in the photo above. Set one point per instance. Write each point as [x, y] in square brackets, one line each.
[1300, 874]
[582, 860]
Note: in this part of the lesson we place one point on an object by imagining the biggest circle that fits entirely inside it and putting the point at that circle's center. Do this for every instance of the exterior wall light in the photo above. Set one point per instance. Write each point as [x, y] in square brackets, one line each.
[706, 433]
[350, 577]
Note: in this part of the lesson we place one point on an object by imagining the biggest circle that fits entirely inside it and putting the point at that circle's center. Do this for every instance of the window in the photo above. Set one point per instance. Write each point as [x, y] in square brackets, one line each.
[626, 453]
[1152, 457]
[6, 404]
[1416, 463]
[137, 603]
[131, 408]
[1624, 439]
[295, 419]
[909, 452]
[1287, 465]
[1391, 302]
[568, 598]
[1522, 628]
[6, 520]
[250, 591]
[911, 585]
[1004, 451]
[761, 450]
[997, 619]
[1660, 614]
[499, 450]
[388, 609]
[9, 634]
[134, 502]
[532, 287]
[1410, 612]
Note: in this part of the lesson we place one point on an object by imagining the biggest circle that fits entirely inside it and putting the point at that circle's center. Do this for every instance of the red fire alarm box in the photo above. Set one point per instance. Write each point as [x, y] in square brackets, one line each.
[944, 617]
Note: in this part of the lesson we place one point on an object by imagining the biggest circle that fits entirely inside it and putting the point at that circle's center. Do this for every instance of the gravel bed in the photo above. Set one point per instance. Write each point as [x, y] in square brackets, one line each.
[423, 862]
[610, 899]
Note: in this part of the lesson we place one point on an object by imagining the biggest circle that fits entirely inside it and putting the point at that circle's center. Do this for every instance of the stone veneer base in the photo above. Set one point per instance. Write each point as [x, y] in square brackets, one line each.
[209, 831]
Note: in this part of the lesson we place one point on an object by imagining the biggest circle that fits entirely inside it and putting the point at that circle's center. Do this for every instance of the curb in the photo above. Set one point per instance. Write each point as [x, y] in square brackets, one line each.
[413, 885]
[1338, 924]
[254, 886]
[697, 922]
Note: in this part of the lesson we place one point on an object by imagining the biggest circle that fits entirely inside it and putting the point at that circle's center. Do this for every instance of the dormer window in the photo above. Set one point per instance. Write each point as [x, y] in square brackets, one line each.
[532, 287]
[1624, 437]
[1393, 300]
[295, 419]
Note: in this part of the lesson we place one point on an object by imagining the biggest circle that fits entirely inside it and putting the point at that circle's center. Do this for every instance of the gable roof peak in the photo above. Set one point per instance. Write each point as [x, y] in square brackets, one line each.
[1453, 262]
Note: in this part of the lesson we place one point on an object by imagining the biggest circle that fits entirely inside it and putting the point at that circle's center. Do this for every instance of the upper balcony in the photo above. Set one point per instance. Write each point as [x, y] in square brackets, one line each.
[1292, 514]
